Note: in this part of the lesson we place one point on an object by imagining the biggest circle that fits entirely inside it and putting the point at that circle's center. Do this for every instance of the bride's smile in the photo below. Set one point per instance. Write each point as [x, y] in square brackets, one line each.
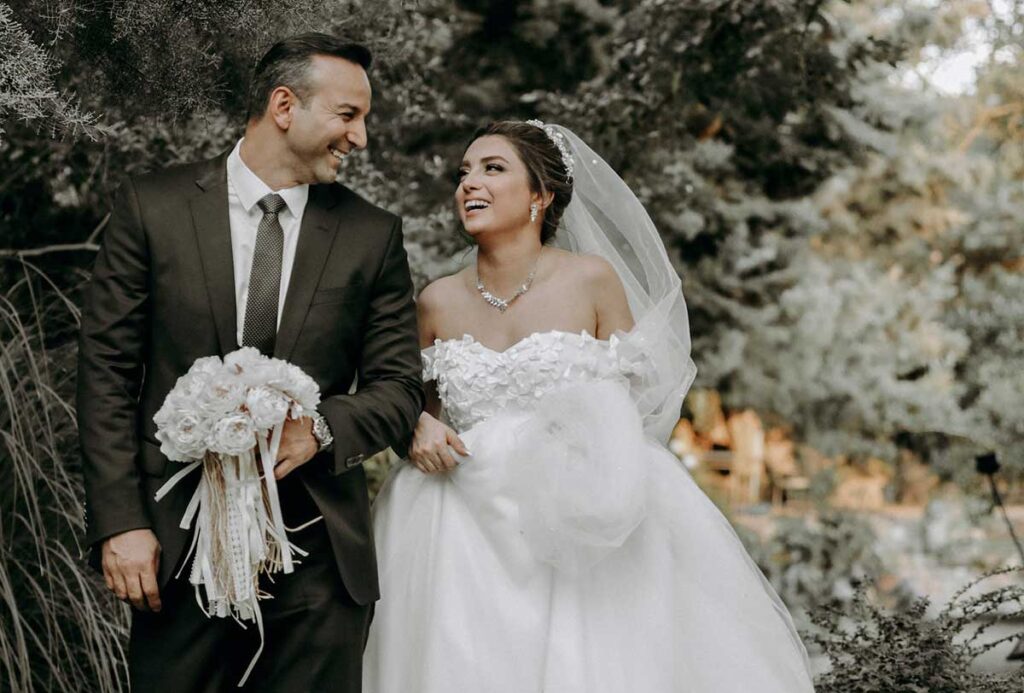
[494, 193]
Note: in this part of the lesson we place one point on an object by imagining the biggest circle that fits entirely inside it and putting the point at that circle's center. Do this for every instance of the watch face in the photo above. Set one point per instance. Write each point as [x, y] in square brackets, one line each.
[321, 430]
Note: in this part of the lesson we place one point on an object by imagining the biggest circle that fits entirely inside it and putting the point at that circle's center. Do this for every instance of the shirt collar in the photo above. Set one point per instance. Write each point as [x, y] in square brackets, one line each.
[250, 188]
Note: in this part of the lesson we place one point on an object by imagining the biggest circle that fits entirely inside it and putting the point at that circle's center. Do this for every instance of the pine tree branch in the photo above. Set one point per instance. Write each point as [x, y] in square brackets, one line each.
[986, 117]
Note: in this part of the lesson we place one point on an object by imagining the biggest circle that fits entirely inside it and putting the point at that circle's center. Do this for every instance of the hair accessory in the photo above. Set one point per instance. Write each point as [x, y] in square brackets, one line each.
[559, 141]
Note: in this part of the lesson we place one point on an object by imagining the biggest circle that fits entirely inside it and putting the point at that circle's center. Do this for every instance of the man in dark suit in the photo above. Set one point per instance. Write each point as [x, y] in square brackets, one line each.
[260, 247]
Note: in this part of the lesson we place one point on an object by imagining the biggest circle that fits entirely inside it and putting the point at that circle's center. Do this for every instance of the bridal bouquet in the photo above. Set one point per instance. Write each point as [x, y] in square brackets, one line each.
[226, 417]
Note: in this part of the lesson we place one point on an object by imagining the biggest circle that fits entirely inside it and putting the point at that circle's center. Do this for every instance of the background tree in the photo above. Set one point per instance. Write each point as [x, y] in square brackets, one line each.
[849, 240]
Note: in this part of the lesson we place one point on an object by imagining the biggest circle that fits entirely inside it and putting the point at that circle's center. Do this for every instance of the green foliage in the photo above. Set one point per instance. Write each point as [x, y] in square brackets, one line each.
[132, 58]
[27, 85]
[850, 247]
[933, 215]
[817, 561]
[758, 77]
[60, 630]
[872, 649]
[847, 262]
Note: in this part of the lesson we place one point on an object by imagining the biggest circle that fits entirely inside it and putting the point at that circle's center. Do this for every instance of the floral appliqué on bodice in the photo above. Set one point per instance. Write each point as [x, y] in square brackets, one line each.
[476, 382]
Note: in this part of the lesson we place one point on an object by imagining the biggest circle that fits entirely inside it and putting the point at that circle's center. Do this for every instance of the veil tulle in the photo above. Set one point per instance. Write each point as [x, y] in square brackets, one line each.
[605, 218]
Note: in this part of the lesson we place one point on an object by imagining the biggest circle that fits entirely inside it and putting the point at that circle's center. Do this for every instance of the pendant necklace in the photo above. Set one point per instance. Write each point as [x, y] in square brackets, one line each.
[502, 304]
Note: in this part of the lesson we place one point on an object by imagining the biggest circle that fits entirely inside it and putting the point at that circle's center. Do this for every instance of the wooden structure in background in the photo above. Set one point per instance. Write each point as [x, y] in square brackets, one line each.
[734, 454]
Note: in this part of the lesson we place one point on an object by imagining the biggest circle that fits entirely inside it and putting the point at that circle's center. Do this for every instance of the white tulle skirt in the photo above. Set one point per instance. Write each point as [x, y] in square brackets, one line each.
[569, 554]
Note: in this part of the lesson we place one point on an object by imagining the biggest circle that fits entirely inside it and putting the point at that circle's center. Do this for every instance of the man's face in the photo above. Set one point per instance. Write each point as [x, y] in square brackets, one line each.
[331, 121]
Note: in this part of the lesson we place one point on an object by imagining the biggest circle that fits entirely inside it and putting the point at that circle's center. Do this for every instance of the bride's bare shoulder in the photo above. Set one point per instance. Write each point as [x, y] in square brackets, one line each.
[434, 305]
[442, 292]
[600, 283]
[590, 270]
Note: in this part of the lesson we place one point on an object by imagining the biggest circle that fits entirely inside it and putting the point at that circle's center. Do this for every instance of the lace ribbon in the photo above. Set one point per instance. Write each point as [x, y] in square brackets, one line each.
[240, 532]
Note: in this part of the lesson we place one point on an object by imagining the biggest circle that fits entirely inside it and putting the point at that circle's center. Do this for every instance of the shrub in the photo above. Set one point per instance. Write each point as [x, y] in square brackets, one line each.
[817, 561]
[871, 649]
[60, 630]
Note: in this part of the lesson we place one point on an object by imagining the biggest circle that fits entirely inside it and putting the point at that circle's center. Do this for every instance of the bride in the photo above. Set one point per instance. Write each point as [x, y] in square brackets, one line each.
[541, 537]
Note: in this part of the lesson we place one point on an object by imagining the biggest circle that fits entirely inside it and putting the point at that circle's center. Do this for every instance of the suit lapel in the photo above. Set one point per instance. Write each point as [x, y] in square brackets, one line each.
[213, 234]
[316, 235]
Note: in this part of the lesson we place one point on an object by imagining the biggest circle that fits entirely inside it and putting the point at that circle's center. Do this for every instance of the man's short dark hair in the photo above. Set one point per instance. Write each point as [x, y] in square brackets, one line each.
[287, 64]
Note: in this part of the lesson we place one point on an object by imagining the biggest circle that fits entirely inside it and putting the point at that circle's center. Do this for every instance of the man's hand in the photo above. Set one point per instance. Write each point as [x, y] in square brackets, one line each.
[298, 445]
[130, 563]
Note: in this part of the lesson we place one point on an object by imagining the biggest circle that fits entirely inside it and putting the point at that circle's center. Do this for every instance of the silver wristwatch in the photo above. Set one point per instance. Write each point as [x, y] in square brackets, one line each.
[321, 431]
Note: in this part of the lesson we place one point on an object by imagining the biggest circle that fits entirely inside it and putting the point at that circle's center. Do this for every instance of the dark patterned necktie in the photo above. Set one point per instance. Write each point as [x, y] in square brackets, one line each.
[260, 327]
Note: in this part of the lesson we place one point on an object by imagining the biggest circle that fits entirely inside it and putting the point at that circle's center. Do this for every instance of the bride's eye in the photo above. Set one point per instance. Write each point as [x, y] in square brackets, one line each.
[460, 174]
[494, 167]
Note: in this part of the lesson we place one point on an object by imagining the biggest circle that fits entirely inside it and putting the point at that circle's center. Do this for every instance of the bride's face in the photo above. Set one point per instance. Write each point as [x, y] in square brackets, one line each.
[494, 190]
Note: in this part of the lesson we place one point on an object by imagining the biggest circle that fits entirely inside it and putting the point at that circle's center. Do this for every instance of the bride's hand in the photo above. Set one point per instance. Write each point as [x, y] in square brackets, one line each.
[430, 442]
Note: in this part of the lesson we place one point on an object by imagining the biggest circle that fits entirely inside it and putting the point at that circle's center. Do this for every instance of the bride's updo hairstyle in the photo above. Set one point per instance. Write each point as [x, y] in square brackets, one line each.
[544, 166]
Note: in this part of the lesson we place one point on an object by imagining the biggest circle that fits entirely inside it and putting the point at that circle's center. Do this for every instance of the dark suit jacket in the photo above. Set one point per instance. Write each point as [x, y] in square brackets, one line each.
[162, 295]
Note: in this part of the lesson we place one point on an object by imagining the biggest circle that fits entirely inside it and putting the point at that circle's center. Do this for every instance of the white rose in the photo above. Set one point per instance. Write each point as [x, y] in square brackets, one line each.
[299, 387]
[267, 407]
[190, 386]
[181, 428]
[166, 411]
[193, 383]
[184, 437]
[248, 366]
[206, 367]
[233, 435]
[168, 450]
[224, 394]
[245, 362]
[277, 374]
[175, 406]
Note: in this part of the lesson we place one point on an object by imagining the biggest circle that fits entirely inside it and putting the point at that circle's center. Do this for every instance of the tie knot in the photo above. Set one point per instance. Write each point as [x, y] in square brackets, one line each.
[271, 204]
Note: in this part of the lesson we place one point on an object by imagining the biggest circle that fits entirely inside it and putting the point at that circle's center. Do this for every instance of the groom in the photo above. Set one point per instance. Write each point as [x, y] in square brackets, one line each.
[259, 246]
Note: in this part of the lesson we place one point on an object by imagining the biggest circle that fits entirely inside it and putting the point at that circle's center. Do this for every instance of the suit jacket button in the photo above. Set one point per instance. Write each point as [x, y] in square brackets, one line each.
[353, 461]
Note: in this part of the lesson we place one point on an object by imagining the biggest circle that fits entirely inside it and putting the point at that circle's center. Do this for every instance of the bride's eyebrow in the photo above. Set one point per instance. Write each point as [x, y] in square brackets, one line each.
[484, 160]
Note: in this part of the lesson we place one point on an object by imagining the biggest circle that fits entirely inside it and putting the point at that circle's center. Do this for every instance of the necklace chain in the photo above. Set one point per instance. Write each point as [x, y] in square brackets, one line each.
[502, 304]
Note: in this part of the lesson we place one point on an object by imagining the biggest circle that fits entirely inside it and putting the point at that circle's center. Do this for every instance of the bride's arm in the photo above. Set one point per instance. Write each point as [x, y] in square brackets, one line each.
[431, 438]
[426, 308]
[610, 305]
[433, 403]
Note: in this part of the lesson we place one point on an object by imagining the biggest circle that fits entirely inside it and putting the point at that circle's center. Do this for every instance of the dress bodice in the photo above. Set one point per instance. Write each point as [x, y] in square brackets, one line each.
[475, 382]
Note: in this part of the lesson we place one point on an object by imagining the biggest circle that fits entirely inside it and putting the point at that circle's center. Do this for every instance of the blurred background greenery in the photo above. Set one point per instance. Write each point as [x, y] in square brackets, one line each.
[839, 184]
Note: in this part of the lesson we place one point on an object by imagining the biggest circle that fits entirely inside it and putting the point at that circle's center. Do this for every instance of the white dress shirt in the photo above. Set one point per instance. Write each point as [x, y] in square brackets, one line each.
[245, 189]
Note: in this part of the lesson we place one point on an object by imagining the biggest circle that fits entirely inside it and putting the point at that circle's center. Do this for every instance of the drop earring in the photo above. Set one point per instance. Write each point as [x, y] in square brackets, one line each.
[533, 212]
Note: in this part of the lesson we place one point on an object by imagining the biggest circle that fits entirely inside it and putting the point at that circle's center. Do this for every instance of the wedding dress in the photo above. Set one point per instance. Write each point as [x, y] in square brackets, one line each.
[570, 553]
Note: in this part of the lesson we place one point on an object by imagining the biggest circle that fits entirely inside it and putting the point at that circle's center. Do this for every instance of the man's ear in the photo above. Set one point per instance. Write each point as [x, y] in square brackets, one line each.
[280, 106]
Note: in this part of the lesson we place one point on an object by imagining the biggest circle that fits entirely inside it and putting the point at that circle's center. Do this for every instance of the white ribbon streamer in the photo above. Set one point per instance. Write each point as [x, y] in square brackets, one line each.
[269, 457]
[244, 532]
[181, 474]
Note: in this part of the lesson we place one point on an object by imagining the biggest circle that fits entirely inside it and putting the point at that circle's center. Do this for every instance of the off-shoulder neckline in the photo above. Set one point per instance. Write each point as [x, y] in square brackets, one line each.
[468, 338]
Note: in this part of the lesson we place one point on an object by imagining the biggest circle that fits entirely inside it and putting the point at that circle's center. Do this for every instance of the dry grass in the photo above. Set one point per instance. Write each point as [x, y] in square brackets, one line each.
[59, 629]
